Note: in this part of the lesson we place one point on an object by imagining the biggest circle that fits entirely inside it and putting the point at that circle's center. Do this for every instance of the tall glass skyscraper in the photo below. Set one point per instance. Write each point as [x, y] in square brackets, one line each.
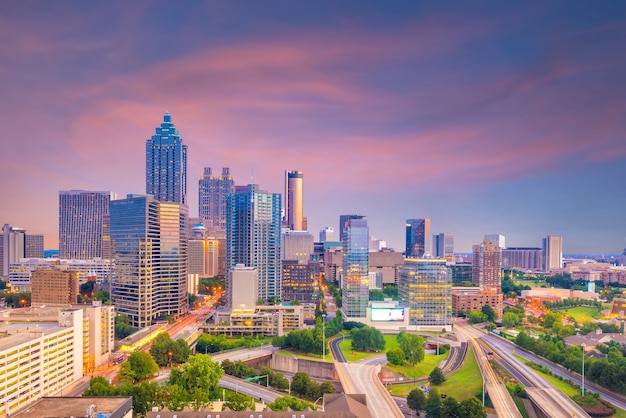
[294, 218]
[417, 237]
[166, 164]
[82, 223]
[150, 247]
[253, 236]
[212, 192]
[355, 280]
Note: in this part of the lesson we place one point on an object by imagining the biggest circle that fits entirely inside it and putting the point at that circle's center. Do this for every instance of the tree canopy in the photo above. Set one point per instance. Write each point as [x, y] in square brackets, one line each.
[412, 345]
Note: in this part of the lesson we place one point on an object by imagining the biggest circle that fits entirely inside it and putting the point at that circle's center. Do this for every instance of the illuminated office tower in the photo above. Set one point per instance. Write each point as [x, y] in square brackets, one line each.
[166, 164]
[294, 218]
[212, 192]
[82, 220]
[443, 246]
[150, 247]
[487, 265]
[552, 253]
[355, 280]
[425, 288]
[417, 237]
[296, 245]
[253, 236]
[13, 247]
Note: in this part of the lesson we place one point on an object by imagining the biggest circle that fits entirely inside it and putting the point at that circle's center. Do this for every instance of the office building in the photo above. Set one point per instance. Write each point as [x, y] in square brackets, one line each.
[54, 286]
[552, 253]
[150, 247]
[443, 246]
[241, 288]
[82, 223]
[521, 258]
[425, 289]
[212, 192]
[33, 246]
[496, 239]
[417, 237]
[299, 281]
[465, 299]
[387, 263]
[355, 281]
[294, 218]
[166, 164]
[487, 266]
[296, 245]
[327, 234]
[13, 247]
[203, 252]
[253, 236]
[461, 273]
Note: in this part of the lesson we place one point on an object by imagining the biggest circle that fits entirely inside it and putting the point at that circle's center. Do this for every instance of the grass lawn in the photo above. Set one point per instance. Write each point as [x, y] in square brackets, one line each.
[582, 313]
[462, 384]
[308, 356]
[346, 348]
[421, 369]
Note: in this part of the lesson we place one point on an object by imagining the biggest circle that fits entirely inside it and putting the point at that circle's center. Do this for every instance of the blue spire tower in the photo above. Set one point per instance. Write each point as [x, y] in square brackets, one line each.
[166, 164]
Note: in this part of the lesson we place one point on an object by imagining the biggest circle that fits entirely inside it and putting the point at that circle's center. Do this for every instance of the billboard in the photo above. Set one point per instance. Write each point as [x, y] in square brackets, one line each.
[387, 314]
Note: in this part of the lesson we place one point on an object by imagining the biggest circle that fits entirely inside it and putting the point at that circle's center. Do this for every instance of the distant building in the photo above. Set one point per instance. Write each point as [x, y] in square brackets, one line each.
[461, 273]
[467, 299]
[299, 281]
[387, 264]
[552, 253]
[241, 288]
[203, 253]
[328, 234]
[425, 289]
[33, 246]
[354, 282]
[417, 237]
[54, 286]
[486, 266]
[13, 247]
[333, 264]
[212, 192]
[83, 218]
[166, 164]
[521, 258]
[443, 246]
[496, 239]
[296, 245]
[294, 218]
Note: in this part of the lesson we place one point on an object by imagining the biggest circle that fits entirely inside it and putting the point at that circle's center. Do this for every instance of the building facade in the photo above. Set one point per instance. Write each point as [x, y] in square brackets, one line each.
[465, 299]
[296, 245]
[521, 258]
[33, 246]
[355, 281]
[327, 234]
[299, 281]
[552, 253]
[487, 265]
[425, 289]
[417, 237]
[294, 218]
[54, 286]
[150, 249]
[212, 192]
[443, 246]
[166, 164]
[253, 236]
[13, 247]
[241, 288]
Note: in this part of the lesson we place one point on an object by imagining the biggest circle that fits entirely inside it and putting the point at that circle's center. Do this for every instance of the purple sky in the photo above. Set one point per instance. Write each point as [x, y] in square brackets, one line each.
[487, 117]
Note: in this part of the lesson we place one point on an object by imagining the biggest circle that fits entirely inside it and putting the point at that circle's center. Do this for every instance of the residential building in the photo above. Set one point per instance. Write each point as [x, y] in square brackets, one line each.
[519, 258]
[355, 282]
[294, 218]
[150, 248]
[552, 253]
[465, 299]
[54, 286]
[212, 192]
[82, 223]
[253, 236]
[33, 246]
[166, 164]
[425, 289]
[487, 265]
[417, 237]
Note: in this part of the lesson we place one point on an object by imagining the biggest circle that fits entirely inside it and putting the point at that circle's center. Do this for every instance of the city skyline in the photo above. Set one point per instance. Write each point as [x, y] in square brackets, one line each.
[492, 119]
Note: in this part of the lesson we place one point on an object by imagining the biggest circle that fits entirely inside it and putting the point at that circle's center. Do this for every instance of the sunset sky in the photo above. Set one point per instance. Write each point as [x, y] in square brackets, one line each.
[487, 117]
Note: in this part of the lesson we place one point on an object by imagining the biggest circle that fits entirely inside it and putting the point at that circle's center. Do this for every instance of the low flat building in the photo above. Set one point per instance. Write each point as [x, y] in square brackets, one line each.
[79, 406]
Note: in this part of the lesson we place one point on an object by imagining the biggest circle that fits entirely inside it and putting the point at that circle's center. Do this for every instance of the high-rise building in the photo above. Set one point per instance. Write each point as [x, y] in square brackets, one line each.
[443, 246]
[241, 288]
[425, 286]
[166, 164]
[487, 265]
[33, 246]
[417, 237]
[13, 247]
[253, 236]
[54, 286]
[552, 252]
[327, 234]
[294, 200]
[298, 280]
[202, 253]
[296, 245]
[355, 281]
[212, 192]
[150, 247]
[496, 239]
[82, 223]
[521, 258]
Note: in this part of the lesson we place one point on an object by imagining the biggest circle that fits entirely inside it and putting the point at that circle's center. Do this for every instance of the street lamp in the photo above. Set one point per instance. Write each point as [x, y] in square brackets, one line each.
[169, 354]
[583, 345]
[324, 336]
[484, 358]
[318, 399]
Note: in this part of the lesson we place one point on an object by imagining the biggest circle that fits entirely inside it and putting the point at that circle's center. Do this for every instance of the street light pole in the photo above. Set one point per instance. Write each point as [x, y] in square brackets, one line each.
[583, 371]
[324, 336]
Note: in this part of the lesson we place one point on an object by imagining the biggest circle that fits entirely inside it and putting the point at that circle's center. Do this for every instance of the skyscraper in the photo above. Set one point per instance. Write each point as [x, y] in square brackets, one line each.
[417, 237]
[13, 247]
[150, 248]
[212, 192]
[443, 246]
[355, 281]
[327, 234]
[552, 253]
[82, 222]
[166, 164]
[496, 239]
[253, 236]
[293, 196]
[33, 246]
[487, 266]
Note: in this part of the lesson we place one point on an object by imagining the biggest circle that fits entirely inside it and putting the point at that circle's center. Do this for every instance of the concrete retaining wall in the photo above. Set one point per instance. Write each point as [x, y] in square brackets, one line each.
[315, 369]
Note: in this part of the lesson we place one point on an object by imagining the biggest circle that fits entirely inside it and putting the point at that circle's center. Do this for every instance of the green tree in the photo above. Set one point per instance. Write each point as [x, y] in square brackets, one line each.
[142, 365]
[238, 402]
[200, 373]
[450, 408]
[395, 357]
[412, 345]
[300, 383]
[436, 377]
[368, 339]
[326, 387]
[99, 386]
[177, 397]
[126, 375]
[122, 327]
[490, 327]
[295, 404]
[416, 400]
[510, 320]
[551, 319]
[489, 313]
[433, 404]
[472, 408]
[476, 317]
